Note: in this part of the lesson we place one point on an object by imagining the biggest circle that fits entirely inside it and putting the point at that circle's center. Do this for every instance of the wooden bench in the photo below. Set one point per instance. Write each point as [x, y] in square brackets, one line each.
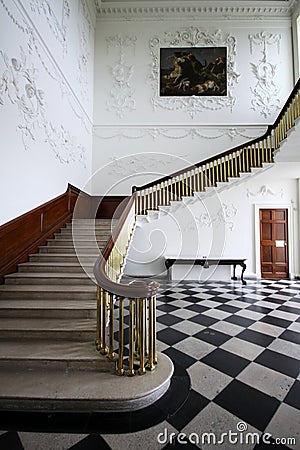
[207, 262]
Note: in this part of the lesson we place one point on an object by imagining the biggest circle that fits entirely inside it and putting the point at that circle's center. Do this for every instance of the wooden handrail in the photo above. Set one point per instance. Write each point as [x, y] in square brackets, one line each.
[135, 289]
[226, 153]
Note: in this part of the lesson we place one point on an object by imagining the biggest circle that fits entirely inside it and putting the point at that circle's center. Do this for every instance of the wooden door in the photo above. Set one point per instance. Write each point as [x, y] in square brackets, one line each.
[273, 243]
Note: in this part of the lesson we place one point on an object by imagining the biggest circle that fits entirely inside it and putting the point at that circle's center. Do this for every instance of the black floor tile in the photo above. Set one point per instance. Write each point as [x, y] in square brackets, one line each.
[238, 320]
[289, 309]
[170, 336]
[91, 442]
[228, 308]
[10, 441]
[212, 336]
[166, 307]
[259, 309]
[273, 299]
[276, 321]
[293, 397]
[197, 308]
[281, 363]
[194, 299]
[247, 403]
[292, 336]
[168, 319]
[192, 406]
[264, 340]
[203, 320]
[225, 362]
[180, 358]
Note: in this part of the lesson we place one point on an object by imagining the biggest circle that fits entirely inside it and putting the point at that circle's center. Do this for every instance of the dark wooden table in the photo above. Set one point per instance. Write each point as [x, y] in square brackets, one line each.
[207, 262]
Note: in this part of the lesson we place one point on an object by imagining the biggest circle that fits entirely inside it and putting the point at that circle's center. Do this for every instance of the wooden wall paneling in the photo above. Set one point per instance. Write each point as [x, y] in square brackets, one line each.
[23, 235]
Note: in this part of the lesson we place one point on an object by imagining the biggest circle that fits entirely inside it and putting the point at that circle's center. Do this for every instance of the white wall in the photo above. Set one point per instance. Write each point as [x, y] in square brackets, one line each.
[133, 125]
[222, 225]
[46, 100]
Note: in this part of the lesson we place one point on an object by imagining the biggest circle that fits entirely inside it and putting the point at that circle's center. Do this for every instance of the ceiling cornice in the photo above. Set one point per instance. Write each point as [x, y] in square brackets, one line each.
[135, 10]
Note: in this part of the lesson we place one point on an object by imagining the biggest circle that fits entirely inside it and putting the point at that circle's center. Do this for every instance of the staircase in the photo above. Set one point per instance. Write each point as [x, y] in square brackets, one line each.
[48, 357]
[48, 319]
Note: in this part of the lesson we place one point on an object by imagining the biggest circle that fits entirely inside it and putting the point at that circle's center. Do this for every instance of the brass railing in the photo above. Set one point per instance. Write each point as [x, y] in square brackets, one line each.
[221, 167]
[138, 298]
[114, 299]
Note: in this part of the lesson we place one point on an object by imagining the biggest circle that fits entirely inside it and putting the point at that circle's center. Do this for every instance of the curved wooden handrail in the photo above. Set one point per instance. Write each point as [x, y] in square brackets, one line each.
[227, 152]
[136, 288]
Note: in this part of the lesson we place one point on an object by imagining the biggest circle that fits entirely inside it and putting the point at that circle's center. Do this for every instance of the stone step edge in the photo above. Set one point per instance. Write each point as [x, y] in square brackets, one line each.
[116, 393]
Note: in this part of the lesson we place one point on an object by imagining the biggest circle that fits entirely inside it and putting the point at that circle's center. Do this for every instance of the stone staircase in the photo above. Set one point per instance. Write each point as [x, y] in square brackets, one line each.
[48, 311]
[48, 360]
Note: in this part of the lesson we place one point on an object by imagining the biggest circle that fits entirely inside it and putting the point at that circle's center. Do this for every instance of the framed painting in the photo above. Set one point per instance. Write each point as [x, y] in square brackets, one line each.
[193, 71]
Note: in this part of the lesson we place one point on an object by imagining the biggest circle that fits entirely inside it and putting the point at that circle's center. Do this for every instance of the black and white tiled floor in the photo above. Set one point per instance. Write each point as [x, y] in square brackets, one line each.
[237, 361]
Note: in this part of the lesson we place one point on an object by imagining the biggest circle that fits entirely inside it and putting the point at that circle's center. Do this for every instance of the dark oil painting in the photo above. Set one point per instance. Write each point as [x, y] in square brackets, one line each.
[199, 71]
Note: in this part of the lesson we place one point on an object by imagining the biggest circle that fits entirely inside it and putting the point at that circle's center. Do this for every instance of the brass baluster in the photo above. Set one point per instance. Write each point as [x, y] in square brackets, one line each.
[255, 154]
[120, 369]
[179, 188]
[175, 189]
[259, 151]
[198, 188]
[235, 168]
[142, 336]
[137, 206]
[137, 327]
[99, 312]
[150, 364]
[111, 353]
[131, 371]
[159, 195]
[220, 170]
[154, 330]
[225, 170]
[103, 350]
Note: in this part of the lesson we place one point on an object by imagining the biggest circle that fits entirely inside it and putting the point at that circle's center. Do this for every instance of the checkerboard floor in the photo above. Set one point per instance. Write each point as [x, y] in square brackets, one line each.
[236, 354]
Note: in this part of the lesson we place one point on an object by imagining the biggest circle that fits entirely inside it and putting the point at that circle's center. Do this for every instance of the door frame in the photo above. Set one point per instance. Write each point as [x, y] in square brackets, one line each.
[290, 237]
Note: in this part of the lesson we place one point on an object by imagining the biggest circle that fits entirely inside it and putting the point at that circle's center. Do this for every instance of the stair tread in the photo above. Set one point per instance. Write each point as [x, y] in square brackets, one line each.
[53, 264]
[47, 287]
[48, 304]
[53, 350]
[49, 275]
[46, 324]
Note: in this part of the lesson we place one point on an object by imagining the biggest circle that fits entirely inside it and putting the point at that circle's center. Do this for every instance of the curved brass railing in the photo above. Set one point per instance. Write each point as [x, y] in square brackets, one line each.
[221, 167]
[139, 297]
[112, 299]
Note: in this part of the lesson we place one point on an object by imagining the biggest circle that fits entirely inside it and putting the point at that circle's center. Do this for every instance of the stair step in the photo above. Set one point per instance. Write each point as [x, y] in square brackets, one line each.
[33, 389]
[48, 308]
[88, 251]
[81, 236]
[53, 328]
[65, 292]
[52, 267]
[45, 278]
[52, 354]
[61, 257]
[79, 242]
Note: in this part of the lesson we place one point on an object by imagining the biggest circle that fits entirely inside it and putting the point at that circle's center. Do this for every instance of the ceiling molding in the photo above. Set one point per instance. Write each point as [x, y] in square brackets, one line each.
[141, 9]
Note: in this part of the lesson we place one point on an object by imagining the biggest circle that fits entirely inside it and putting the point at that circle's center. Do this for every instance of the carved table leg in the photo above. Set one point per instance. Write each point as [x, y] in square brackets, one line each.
[243, 265]
[234, 277]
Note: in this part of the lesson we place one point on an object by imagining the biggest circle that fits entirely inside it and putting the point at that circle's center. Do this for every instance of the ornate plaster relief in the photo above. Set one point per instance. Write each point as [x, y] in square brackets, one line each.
[121, 94]
[19, 84]
[194, 37]
[265, 93]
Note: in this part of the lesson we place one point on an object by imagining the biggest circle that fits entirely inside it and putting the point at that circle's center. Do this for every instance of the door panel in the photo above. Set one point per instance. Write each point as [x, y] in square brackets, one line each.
[273, 243]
